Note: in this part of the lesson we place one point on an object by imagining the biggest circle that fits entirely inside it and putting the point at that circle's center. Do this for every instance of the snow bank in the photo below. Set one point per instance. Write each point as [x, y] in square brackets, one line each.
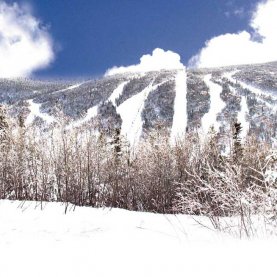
[103, 242]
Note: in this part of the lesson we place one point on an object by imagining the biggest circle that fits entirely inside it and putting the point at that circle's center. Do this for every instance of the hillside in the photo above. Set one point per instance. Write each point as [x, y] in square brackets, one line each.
[176, 100]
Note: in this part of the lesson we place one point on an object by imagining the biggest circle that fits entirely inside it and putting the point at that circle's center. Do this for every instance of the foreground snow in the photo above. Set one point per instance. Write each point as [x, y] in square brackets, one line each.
[103, 242]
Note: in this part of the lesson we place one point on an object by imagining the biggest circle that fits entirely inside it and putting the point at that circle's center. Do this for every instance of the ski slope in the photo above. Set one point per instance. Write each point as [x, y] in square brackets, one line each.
[130, 112]
[35, 107]
[117, 92]
[114, 242]
[216, 106]
[92, 112]
[35, 112]
[179, 123]
[70, 87]
[258, 92]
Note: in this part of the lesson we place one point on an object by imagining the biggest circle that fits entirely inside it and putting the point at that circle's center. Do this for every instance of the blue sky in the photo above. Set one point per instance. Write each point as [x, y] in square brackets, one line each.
[91, 36]
[94, 35]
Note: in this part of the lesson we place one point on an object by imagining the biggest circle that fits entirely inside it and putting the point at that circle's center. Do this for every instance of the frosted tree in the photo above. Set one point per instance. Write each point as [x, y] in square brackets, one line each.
[3, 125]
[237, 146]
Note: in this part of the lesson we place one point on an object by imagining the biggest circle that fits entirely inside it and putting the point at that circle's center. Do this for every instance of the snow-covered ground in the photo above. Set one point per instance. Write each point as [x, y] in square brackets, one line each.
[35, 112]
[104, 242]
[179, 123]
[216, 106]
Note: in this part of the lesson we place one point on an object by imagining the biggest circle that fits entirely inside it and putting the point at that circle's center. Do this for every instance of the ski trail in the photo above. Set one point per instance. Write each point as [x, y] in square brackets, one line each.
[244, 112]
[35, 112]
[179, 123]
[130, 112]
[70, 87]
[216, 106]
[255, 90]
[92, 112]
[117, 92]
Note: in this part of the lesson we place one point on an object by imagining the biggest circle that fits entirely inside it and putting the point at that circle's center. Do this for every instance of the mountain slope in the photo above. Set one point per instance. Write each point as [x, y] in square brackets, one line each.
[137, 103]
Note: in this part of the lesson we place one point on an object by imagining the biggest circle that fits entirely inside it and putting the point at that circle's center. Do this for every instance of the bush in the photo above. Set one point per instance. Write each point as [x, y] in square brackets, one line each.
[81, 167]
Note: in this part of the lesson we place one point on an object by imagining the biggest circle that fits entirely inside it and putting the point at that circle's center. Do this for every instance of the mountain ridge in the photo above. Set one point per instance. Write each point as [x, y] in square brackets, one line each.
[139, 102]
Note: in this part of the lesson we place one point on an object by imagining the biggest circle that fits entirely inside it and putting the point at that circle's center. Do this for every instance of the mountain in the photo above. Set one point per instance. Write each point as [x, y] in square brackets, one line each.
[178, 101]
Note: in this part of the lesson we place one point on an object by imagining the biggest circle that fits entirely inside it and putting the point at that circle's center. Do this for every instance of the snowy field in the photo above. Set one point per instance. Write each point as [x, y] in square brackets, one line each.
[104, 242]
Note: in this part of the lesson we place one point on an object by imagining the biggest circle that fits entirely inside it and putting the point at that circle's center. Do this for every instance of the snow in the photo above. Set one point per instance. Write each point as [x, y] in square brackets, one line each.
[130, 112]
[180, 107]
[255, 90]
[91, 112]
[35, 107]
[103, 242]
[70, 87]
[35, 112]
[216, 106]
[242, 115]
[117, 92]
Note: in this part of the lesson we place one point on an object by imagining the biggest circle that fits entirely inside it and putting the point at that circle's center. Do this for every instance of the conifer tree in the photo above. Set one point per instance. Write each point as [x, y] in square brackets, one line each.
[3, 125]
[237, 146]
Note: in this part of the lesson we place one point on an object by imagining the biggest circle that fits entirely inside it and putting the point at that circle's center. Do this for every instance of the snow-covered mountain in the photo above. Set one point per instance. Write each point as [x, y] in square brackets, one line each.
[178, 100]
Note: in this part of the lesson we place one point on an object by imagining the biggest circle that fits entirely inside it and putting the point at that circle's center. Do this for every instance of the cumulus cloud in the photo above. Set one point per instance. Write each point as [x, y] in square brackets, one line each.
[159, 59]
[25, 45]
[244, 47]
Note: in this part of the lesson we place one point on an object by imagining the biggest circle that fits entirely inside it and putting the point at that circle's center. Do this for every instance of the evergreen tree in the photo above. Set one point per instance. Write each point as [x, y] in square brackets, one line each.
[237, 146]
[3, 125]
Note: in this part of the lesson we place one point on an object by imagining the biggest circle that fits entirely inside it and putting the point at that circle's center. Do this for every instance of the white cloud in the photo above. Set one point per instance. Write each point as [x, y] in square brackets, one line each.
[237, 12]
[159, 59]
[244, 47]
[25, 45]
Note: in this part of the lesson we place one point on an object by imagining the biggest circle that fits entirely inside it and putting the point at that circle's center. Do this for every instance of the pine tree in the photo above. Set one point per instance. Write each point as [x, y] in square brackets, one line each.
[3, 125]
[21, 192]
[116, 142]
[237, 146]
